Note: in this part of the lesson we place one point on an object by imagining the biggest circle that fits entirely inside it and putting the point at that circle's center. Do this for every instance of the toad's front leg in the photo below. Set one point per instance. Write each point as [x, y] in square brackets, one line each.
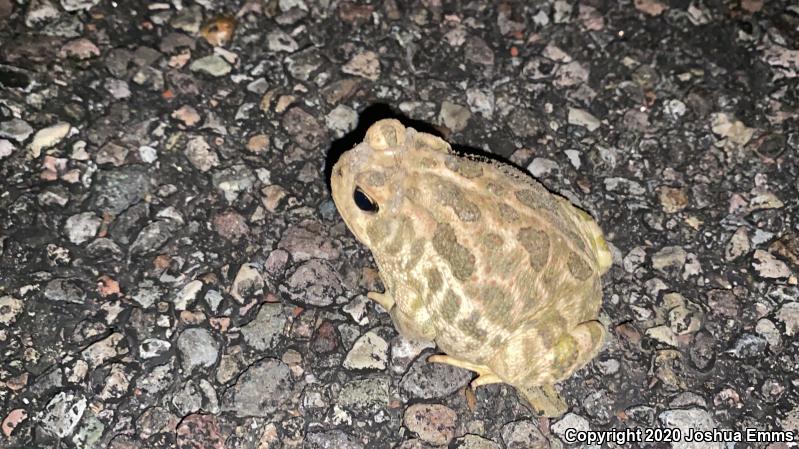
[383, 299]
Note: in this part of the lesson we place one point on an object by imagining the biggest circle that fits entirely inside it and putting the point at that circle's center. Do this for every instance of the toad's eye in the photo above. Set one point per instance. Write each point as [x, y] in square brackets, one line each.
[363, 201]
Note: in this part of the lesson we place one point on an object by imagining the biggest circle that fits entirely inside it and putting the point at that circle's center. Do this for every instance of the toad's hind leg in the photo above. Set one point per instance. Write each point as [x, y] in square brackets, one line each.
[539, 354]
[485, 375]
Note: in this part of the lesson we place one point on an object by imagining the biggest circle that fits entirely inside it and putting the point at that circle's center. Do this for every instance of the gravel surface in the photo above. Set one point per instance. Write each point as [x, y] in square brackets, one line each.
[173, 272]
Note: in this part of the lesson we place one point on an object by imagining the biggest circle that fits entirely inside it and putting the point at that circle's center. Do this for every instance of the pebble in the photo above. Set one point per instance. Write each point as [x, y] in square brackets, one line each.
[581, 117]
[187, 399]
[541, 167]
[669, 257]
[156, 420]
[153, 347]
[262, 332]
[341, 120]
[148, 154]
[325, 338]
[693, 419]
[405, 350]
[64, 290]
[48, 137]
[260, 390]
[188, 115]
[200, 430]
[672, 199]
[738, 244]
[212, 65]
[234, 180]
[454, 116]
[278, 41]
[40, 12]
[331, 439]
[157, 379]
[770, 267]
[187, 295]
[62, 414]
[748, 345]
[6, 148]
[474, 442]
[365, 395]
[624, 185]
[570, 421]
[303, 64]
[117, 190]
[197, 348]
[433, 380]
[231, 225]
[725, 125]
[481, 102]
[789, 315]
[10, 309]
[247, 283]
[77, 5]
[304, 129]
[650, 7]
[523, 434]
[118, 89]
[768, 330]
[364, 64]
[308, 241]
[82, 227]
[477, 51]
[370, 351]
[356, 308]
[571, 74]
[315, 283]
[188, 19]
[16, 129]
[200, 154]
[433, 423]
[111, 153]
[103, 350]
[151, 238]
[13, 420]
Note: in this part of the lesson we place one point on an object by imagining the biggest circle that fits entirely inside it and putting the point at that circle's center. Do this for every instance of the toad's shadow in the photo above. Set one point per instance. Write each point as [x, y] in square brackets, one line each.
[380, 111]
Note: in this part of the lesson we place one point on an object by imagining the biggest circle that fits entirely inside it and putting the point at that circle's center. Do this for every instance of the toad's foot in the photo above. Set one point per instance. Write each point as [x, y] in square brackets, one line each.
[544, 399]
[383, 299]
[485, 375]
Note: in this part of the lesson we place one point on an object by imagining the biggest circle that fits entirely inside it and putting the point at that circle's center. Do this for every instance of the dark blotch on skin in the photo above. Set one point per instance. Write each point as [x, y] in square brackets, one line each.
[495, 189]
[496, 303]
[416, 253]
[375, 178]
[404, 235]
[578, 267]
[537, 244]
[507, 214]
[471, 327]
[377, 231]
[428, 162]
[463, 166]
[434, 280]
[536, 197]
[450, 306]
[460, 260]
[450, 195]
[426, 142]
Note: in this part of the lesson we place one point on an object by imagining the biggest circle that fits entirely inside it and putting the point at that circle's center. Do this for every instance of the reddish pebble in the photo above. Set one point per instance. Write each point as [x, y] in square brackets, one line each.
[13, 420]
